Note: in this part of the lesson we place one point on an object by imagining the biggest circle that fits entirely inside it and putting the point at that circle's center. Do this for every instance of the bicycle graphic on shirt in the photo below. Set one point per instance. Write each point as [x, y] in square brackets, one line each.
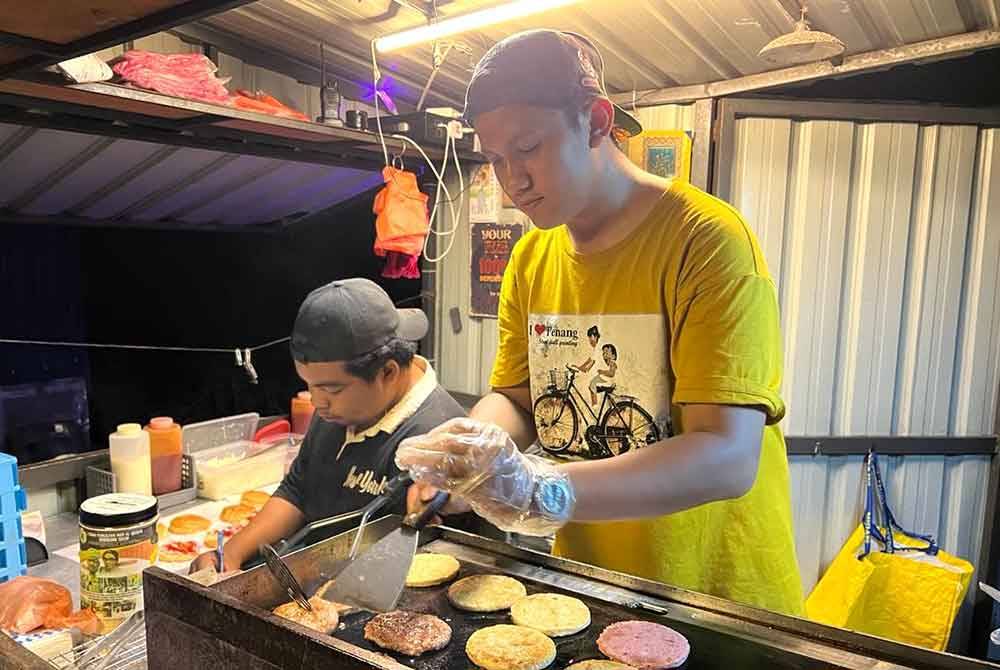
[619, 424]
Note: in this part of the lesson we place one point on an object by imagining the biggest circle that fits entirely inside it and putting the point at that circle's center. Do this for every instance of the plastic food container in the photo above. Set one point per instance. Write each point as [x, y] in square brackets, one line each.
[289, 442]
[117, 542]
[237, 467]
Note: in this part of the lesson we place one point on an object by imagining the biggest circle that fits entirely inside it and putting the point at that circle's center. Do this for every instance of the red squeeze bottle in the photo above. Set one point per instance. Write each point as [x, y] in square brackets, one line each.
[302, 412]
[165, 452]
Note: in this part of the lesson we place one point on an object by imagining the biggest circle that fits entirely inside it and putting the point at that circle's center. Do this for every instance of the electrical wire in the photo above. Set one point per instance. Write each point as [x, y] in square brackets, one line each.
[376, 75]
[144, 347]
[449, 140]
[448, 199]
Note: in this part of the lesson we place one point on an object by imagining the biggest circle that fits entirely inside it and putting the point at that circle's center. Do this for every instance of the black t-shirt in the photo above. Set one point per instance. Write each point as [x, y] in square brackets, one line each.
[321, 484]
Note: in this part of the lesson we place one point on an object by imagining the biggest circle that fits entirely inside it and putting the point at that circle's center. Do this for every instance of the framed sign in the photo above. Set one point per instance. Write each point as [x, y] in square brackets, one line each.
[491, 247]
[666, 153]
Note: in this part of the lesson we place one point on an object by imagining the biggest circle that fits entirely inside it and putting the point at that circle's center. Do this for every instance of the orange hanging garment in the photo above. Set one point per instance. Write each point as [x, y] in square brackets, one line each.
[401, 221]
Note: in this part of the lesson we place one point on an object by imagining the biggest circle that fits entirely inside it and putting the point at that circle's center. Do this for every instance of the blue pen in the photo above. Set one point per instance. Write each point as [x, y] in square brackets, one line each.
[220, 537]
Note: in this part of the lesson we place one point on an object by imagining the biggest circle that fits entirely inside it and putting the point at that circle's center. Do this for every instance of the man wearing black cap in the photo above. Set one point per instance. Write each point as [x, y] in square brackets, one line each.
[356, 352]
[676, 280]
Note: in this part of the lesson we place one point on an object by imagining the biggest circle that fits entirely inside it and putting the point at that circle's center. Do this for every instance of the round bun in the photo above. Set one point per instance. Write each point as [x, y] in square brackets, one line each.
[485, 593]
[431, 570]
[255, 499]
[505, 647]
[237, 514]
[177, 552]
[551, 613]
[189, 524]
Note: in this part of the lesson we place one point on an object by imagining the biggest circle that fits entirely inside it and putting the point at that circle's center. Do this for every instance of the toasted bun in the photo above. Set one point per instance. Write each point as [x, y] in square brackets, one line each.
[505, 647]
[431, 570]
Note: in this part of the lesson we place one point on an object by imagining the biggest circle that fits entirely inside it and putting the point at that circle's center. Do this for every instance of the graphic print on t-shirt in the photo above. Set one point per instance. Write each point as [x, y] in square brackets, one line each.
[599, 382]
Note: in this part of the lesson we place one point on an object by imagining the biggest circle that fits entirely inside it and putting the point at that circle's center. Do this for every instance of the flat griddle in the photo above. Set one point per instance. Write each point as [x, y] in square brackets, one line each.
[708, 649]
[231, 625]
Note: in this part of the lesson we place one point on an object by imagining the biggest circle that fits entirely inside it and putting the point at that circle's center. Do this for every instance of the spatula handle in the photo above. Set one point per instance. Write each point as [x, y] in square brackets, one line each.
[420, 519]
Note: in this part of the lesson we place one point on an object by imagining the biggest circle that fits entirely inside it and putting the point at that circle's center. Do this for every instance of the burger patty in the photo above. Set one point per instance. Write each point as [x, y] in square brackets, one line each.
[323, 617]
[408, 633]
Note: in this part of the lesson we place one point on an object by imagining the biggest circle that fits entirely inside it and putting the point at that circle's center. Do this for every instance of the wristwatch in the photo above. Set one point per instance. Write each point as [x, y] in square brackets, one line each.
[553, 499]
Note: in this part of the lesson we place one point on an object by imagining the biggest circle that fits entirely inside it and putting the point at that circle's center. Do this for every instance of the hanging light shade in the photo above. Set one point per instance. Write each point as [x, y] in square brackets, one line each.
[802, 45]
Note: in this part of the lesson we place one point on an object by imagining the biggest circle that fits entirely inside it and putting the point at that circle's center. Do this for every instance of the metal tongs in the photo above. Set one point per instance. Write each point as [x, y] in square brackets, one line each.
[272, 556]
[103, 652]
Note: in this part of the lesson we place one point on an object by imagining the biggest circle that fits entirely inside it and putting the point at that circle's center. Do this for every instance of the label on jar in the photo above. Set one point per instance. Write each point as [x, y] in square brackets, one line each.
[111, 565]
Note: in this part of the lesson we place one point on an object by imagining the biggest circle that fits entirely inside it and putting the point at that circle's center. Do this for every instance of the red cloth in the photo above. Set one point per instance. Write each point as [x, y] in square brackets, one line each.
[190, 76]
[402, 221]
[401, 266]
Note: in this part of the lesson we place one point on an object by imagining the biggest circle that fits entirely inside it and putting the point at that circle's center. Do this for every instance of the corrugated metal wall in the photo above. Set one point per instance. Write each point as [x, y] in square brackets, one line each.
[884, 239]
[464, 346]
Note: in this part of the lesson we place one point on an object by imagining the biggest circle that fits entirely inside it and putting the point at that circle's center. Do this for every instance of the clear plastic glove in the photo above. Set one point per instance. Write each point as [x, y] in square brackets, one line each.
[479, 463]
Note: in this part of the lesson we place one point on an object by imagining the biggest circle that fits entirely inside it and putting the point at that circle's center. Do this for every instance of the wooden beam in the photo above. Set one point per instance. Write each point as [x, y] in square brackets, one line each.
[935, 49]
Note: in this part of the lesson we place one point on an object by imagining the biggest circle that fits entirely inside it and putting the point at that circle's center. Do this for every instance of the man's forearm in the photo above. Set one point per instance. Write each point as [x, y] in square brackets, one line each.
[278, 519]
[677, 474]
[506, 409]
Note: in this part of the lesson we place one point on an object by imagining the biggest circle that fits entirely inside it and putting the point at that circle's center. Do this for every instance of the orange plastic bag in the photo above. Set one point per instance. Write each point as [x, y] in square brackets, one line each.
[402, 221]
[26, 603]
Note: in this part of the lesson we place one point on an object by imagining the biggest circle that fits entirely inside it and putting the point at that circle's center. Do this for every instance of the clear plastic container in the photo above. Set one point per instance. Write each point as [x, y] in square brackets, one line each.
[166, 453]
[237, 467]
[290, 442]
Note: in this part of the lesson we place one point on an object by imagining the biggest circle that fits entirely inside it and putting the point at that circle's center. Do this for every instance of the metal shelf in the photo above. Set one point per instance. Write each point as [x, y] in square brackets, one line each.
[124, 112]
[52, 31]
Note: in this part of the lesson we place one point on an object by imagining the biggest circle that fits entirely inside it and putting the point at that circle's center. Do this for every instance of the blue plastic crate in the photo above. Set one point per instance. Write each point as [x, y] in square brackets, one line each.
[13, 560]
[12, 503]
[11, 528]
[8, 472]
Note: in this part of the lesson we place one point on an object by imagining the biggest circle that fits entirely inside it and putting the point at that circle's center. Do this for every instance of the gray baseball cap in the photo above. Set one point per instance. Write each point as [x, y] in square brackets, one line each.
[348, 318]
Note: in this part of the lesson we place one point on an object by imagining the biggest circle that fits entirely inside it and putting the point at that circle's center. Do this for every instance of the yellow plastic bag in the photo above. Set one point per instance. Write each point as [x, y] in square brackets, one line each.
[911, 595]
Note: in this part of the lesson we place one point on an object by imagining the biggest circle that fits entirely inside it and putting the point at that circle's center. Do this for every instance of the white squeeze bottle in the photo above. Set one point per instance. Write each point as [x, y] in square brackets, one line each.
[130, 463]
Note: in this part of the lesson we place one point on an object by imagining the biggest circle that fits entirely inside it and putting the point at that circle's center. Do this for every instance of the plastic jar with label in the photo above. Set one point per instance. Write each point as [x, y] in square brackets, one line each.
[117, 542]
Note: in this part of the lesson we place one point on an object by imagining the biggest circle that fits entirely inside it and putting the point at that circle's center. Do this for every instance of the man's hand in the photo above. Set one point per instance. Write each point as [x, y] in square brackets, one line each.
[418, 495]
[209, 559]
[481, 464]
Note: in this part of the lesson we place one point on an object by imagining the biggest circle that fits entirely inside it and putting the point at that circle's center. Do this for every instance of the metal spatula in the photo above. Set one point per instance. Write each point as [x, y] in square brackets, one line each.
[375, 579]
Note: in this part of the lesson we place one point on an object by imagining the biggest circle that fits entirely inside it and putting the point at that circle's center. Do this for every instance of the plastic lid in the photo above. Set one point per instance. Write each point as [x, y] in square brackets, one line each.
[305, 395]
[161, 423]
[129, 429]
[118, 509]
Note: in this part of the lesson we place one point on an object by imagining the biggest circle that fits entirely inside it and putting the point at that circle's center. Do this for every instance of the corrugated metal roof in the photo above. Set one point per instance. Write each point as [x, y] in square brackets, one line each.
[84, 178]
[647, 44]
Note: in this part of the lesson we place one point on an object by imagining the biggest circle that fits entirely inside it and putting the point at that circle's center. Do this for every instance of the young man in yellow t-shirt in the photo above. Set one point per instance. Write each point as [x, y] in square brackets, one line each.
[697, 494]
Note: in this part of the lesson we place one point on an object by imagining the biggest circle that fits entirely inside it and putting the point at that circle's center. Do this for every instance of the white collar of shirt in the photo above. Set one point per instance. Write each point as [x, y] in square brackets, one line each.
[402, 410]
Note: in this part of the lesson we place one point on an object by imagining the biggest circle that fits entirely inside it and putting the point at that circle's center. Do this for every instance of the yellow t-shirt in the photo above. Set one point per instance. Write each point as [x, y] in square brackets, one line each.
[682, 311]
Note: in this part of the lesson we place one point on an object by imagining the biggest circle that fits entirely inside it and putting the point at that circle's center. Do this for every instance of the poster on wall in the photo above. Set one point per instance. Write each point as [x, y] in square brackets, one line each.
[484, 195]
[666, 153]
[491, 247]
